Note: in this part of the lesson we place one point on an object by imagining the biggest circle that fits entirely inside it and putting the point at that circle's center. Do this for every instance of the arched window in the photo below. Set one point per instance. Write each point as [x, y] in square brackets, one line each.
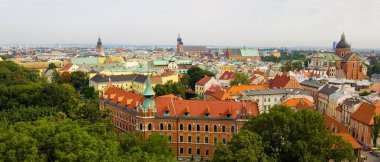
[161, 126]
[232, 129]
[223, 128]
[189, 127]
[215, 128]
[181, 127]
[169, 126]
[150, 126]
[206, 127]
[141, 126]
[198, 127]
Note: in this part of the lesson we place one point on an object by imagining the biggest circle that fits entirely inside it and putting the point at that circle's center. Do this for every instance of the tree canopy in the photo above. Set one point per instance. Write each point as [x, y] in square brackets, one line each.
[240, 78]
[170, 87]
[194, 74]
[290, 136]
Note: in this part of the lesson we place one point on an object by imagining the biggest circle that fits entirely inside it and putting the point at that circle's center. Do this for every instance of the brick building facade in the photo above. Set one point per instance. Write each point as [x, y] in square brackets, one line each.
[193, 127]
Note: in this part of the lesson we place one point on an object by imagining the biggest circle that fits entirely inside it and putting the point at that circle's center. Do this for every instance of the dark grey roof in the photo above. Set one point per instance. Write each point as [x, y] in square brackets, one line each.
[114, 78]
[312, 83]
[140, 78]
[195, 48]
[328, 90]
[343, 43]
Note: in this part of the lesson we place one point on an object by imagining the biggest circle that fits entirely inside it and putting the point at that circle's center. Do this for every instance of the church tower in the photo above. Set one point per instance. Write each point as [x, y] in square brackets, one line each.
[179, 44]
[148, 108]
[342, 48]
[99, 48]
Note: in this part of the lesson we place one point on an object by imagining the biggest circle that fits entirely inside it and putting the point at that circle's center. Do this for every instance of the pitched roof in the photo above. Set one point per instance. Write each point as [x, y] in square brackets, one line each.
[328, 90]
[114, 78]
[212, 89]
[195, 48]
[279, 81]
[123, 98]
[66, 67]
[198, 108]
[312, 83]
[238, 89]
[155, 79]
[298, 103]
[365, 112]
[203, 81]
[227, 75]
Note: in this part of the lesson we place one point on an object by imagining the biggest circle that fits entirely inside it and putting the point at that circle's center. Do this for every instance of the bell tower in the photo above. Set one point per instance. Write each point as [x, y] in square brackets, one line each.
[179, 44]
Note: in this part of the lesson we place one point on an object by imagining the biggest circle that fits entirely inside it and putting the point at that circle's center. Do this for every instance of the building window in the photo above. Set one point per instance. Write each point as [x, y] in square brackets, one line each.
[141, 126]
[198, 128]
[181, 127]
[150, 126]
[169, 126]
[198, 151]
[206, 128]
[232, 129]
[268, 99]
[161, 126]
[189, 151]
[215, 139]
[189, 139]
[224, 140]
[198, 139]
[215, 128]
[181, 150]
[170, 138]
[189, 127]
[206, 139]
[353, 65]
[181, 139]
[207, 152]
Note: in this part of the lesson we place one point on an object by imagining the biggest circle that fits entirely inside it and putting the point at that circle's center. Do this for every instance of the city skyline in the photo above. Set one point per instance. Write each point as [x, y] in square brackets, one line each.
[219, 23]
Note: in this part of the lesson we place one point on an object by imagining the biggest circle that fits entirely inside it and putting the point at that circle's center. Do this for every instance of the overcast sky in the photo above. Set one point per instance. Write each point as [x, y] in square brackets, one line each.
[200, 22]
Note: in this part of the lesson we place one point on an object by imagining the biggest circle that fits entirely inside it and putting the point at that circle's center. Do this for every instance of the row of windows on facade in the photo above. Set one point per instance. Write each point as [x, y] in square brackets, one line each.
[189, 127]
[124, 117]
[189, 151]
[268, 99]
[198, 139]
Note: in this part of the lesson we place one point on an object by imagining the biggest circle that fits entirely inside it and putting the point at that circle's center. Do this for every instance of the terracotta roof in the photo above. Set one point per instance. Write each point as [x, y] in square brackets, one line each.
[198, 108]
[122, 98]
[256, 72]
[365, 112]
[279, 81]
[168, 73]
[212, 89]
[66, 67]
[299, 103]
[227, 75]
[337, 128]
[203, 81]
[220, 95]
[238, 89]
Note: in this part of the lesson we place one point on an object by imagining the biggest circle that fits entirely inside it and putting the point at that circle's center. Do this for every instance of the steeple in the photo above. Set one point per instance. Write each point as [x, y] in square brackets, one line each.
[149, 104]
[179, 39]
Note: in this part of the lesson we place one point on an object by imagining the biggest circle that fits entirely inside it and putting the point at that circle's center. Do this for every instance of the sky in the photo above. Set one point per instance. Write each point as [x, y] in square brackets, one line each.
[271, 23]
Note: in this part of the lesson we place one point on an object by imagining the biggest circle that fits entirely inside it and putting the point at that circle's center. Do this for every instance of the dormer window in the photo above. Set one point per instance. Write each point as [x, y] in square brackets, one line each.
[228, 115]
[167, 112]
[186, 114]
[207, 114]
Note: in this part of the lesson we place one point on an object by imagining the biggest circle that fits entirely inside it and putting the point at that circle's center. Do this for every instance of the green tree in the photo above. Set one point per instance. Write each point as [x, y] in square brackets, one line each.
[244, 146]
[79, 79]
[158, 144]
[195, 74]
[300, 135]
[240, 78]
[13, 74]
[375, 129]
[52, 66]
[170, 87]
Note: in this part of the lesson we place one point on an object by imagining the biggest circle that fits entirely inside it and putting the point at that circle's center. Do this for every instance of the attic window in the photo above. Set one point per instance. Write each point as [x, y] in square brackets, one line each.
[167, 112]
[228, 115]
[207, 114]
[186, 114]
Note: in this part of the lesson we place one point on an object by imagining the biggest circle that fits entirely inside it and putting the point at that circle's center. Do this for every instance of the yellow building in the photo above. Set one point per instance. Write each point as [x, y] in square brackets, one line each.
[39, 67]
[226, 67]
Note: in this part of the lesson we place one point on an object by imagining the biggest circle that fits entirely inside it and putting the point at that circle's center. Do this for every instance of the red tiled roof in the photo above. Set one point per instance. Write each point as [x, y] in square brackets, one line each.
[123, 98]
[279, 81]
[227, 75]
[67, 66]
[350, 139]
[365, 112]
[337, 128]
[212, 89]
[198, 108]
[299, 103]
[238, 89]
[203, 81]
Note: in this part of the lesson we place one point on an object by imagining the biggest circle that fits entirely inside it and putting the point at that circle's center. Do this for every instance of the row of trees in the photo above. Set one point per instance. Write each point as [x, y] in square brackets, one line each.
[284, 135]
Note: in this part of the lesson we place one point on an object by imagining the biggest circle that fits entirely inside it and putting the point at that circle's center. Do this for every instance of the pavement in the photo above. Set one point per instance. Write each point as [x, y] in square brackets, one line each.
[370, 158]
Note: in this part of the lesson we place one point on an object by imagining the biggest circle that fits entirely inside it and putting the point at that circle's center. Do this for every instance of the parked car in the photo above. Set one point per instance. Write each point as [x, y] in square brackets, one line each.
[367, 148]
[373, 151]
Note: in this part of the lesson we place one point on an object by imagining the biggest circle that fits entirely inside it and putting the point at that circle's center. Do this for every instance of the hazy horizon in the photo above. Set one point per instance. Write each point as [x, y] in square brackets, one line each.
[270, 23]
